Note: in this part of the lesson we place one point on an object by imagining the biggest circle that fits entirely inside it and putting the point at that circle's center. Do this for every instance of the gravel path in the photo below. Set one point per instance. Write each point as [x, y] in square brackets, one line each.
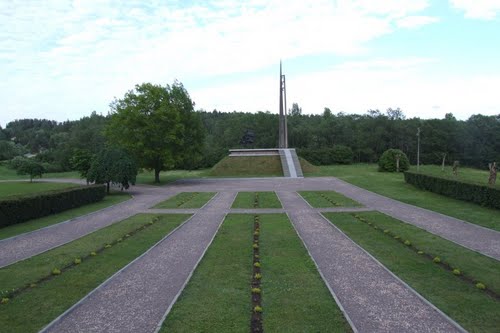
[135, 300]
[29, 244]
[474, 237]
[372, 297]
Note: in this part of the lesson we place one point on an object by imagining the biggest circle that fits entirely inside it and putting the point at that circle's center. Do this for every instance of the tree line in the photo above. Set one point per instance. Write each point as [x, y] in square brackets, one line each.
[179, 137]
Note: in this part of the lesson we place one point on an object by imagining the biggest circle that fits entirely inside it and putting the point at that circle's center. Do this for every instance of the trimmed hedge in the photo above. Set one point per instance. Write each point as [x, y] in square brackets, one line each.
[23, 208]
[480, 194]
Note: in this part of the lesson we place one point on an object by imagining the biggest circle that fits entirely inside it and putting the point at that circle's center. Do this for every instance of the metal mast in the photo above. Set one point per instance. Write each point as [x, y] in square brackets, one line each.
[283, 130]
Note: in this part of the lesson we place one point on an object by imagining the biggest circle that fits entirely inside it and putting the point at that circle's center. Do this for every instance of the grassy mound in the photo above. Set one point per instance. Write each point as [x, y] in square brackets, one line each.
[248, 166]
[254, 166]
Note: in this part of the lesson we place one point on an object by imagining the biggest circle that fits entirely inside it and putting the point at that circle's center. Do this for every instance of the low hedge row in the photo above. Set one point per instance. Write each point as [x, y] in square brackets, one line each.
[480, 194]
[23, 208]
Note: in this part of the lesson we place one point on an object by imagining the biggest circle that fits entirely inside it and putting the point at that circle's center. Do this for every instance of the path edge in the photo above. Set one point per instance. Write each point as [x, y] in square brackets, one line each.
[335, 298]
[77, 304]
[160, 324]
[453, 322]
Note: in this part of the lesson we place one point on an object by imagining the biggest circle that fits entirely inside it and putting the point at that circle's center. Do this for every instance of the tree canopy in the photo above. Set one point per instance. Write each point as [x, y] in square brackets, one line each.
[157, 125]
[112, 166]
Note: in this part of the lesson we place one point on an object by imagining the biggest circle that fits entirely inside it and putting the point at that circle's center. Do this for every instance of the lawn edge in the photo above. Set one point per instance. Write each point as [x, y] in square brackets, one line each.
[160, 324]
[337, 301]
[77, 304]
[66, 221]
[421, 297]
[429, 210]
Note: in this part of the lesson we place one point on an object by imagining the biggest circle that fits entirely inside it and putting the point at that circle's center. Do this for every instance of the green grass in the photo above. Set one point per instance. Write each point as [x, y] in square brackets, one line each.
[469, 175]
[392, 185]
[265, 200]
[147, 177]
[22, 188]
[295, 298]
[217, 298]
[187, 200]
[462, 301]
[32, 310]
[248, 166]
[325, 199]
[35, 224]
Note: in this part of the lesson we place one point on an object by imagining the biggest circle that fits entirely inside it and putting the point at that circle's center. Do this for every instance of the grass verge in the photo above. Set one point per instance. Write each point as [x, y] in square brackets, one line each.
[35, 308]
[472, 308]
[187, 200]
[17, 229]
[392, 185]
[295, 297]
[256, 200]
[326, 199]
[217, 298]
[8, 189]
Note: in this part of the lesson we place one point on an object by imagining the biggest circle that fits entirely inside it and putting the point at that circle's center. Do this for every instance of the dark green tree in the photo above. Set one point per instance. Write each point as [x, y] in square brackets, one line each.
[28, 166]
[393, 160]
[81, 161]
[156, 124]
[113, 166]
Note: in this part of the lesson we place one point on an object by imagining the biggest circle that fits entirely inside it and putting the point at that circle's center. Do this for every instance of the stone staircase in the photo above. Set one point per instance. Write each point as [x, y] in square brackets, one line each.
[290, 163]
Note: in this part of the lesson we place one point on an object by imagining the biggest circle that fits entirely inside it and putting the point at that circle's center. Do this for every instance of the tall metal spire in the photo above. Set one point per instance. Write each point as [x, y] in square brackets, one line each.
[283, 131]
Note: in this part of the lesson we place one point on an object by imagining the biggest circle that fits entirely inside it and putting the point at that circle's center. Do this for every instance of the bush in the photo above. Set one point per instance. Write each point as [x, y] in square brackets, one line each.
[338, 154]
[18, 209]
[480, 194]
[387, 161]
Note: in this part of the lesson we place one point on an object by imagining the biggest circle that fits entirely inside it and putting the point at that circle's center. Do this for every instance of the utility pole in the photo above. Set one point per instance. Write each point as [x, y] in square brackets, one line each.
[418, 149]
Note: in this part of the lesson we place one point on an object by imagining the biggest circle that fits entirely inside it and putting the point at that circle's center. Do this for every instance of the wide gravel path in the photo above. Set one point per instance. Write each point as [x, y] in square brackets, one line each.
[136, 299]
[373, 299]
[32, 243]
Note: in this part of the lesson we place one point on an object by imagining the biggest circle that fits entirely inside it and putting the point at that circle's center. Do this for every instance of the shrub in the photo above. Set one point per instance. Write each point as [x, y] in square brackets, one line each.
[77, 261]
[257, 309]
[93, 254]
[56, 271]
[257, 264]
[437, 260]
[18, 209]
[386, 231]
[456, 271]
[480, 194]
[258, 276]
[255, 246]
[481, 286]
[256, 290]
[407, 243]
[4, 300]
[420, 252]
[107, 246]
[387, 161]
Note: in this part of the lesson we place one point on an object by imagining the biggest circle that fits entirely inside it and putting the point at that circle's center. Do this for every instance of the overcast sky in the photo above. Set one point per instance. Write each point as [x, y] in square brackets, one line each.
[63, 59]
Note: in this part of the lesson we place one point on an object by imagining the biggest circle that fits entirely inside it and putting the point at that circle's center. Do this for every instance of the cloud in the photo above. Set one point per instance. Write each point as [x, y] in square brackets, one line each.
[412, 22]
[478, 9]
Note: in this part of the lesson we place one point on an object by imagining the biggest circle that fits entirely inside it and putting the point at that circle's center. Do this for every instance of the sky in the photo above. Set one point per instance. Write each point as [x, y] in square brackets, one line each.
[61, 60]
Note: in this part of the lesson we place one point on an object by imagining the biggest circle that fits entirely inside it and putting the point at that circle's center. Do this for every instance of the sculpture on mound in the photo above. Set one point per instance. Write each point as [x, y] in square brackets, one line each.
[283, 130]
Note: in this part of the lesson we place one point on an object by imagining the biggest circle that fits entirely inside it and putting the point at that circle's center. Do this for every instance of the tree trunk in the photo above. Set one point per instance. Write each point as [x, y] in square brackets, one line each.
[157, 175]
[493, 173]
[442, 163]
[107, 187]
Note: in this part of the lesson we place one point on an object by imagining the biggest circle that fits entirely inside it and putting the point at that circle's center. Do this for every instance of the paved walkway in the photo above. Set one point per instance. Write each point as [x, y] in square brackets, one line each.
[136, 299]
[29, 244]
[373, 298]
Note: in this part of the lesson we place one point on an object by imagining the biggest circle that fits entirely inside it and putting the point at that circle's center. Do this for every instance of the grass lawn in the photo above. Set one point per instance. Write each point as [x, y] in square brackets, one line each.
[21, 188]
[295, 298]
[472, 308]
[256, 200]
[392, 185]
[326, 199]
[217, 298]
[36, 307]
[469, 175]
[248, 166]
[147, 177]
[31, 225]
[187, 200]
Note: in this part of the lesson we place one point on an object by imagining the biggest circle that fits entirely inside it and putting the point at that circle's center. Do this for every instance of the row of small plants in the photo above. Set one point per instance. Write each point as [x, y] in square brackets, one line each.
[189, 198]
[435, 259]
[256, 320]
[7, 295]
[256, 200]
[327, 198]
